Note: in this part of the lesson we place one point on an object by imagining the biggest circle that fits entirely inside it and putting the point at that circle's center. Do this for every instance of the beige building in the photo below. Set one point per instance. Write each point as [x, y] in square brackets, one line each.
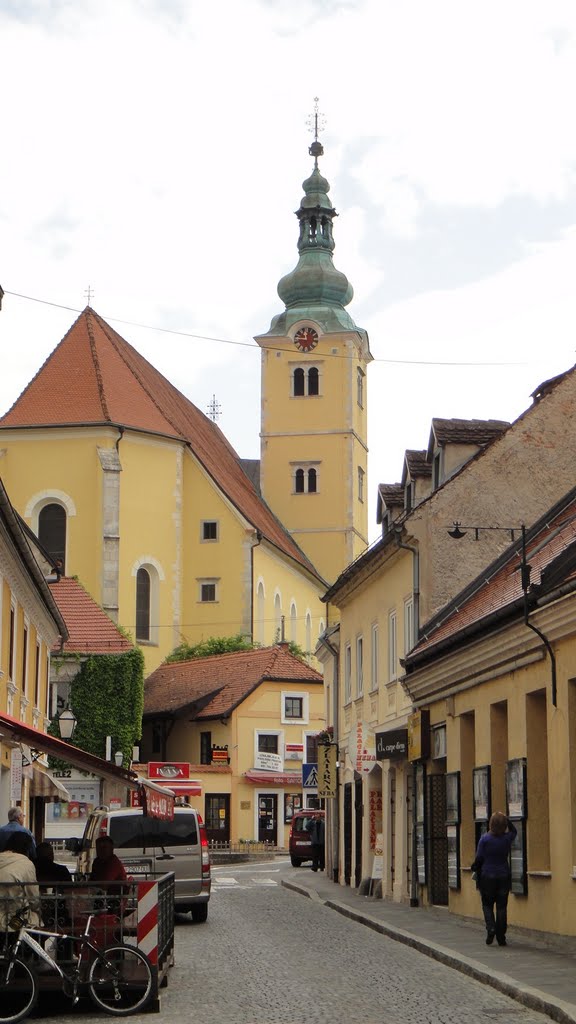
[243, 724]
[493, 683]
[30, 623]
[475, 473]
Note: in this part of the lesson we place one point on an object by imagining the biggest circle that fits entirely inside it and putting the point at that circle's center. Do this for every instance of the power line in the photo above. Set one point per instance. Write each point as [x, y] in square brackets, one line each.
[249, 344]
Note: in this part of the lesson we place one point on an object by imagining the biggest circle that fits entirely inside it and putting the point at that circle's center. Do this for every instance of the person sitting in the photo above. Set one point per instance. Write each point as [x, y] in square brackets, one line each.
[19, 892]
[108, 869]
[52, 875]
[16, 824]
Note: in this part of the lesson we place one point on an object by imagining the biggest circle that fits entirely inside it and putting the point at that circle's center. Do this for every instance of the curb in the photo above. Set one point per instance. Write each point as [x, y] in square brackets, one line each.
[532, 998]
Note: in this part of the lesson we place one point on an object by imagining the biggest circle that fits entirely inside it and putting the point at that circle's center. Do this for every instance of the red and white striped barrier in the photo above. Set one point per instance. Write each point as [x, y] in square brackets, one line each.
[148, 920]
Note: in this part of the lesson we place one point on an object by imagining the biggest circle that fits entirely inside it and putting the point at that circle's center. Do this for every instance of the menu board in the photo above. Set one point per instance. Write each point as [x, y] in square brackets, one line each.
[453, 856]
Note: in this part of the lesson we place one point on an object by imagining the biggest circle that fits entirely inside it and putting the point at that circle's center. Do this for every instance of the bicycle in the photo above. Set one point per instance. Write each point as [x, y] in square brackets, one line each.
[119, 979]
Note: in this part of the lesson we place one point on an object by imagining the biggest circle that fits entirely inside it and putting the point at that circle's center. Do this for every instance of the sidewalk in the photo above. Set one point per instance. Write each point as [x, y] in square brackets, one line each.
[541, 978]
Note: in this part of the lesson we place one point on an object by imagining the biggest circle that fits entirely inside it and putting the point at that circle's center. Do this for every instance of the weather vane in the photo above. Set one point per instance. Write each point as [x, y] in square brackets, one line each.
[316, 123]
[89, 293]
[214, 409]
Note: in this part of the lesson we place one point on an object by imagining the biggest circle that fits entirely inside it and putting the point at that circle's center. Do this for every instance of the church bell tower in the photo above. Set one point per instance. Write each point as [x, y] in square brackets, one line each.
[314, 425]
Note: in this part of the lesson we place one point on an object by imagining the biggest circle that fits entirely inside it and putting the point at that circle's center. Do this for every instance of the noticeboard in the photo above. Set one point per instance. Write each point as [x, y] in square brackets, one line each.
[453, 856]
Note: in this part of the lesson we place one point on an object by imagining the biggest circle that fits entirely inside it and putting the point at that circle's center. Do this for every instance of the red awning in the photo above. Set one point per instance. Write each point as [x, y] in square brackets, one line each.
[19, 732]
[274, 778]
[180, 787]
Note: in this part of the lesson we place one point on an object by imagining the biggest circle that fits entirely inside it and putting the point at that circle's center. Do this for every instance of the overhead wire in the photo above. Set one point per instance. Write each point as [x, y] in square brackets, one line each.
[251, 345]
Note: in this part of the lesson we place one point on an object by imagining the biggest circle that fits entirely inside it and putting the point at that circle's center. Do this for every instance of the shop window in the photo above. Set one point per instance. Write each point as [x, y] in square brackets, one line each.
[267, 743]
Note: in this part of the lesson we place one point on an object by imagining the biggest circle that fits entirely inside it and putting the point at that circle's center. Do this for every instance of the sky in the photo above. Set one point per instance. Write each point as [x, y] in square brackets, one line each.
[154, 150]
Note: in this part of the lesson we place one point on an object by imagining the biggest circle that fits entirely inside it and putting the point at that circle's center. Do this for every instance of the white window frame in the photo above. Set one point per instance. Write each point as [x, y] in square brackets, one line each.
[305, 367]
[359, 666]
[347, 673]
[209, 540]
[300, 695]
[209, 581]
[374, 657]
[392, 646]
[270, 732]
[305, 466]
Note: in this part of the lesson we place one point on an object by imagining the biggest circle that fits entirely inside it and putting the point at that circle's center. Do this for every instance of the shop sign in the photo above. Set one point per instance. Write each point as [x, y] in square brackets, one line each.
[15, 775]
[327, 772]
[392, 745]
[362, 748]
[170, 770]
[266, 762]
[294, 751]
[419, 736]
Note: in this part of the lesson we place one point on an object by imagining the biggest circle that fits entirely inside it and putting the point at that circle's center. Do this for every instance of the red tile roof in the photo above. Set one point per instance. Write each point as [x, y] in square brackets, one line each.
[216, 685]
[94, 376]
[500, 587]
[90, 630]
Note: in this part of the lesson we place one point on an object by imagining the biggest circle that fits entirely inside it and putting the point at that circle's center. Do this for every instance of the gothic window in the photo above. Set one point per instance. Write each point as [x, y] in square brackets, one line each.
[260, 613]
[143, 590]
[305, 382]
[52, 532]
[299, 481]
[311, 481]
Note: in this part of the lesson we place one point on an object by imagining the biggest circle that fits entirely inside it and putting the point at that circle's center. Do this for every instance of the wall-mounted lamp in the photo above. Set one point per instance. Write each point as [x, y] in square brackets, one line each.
[67, 723]
[525, 569]
[118, 758]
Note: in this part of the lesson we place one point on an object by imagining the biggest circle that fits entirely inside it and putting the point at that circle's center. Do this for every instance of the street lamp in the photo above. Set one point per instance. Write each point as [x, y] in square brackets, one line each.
[456, 533]
[67, 722]
[118, 758]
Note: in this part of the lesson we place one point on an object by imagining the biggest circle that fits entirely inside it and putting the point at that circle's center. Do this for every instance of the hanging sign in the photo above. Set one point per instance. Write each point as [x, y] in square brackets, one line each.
[362, 748]
[327, 771]
[15, 775]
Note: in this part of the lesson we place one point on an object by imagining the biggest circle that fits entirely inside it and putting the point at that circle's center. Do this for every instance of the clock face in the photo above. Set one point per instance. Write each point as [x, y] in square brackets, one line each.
[306, 339]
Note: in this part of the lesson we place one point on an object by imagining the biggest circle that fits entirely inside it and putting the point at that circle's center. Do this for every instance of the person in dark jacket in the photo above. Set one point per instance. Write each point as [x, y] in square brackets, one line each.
[493, 864]
[317, 836]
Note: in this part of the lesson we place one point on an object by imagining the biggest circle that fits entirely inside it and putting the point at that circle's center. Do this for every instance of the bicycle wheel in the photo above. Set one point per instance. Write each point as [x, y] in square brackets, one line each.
[120, 980]
[18, 990]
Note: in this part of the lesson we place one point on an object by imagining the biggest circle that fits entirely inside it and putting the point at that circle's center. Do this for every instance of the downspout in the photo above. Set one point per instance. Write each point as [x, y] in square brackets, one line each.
[414, 897]
[334, 804]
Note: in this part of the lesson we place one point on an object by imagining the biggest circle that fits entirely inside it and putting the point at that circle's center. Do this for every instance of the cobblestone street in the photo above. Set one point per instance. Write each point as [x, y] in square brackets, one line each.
[267, 956]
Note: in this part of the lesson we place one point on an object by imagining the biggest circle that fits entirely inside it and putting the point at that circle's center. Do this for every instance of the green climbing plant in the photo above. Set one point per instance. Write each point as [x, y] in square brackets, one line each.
[223, 645]
[107, 697]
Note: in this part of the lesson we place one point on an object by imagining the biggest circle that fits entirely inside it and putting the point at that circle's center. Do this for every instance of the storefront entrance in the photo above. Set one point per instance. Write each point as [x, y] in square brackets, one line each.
[218, 817]
[437, 840]
[268, 818]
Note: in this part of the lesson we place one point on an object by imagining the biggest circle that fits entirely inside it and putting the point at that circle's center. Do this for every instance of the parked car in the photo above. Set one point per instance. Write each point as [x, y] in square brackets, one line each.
[152, 846]
[299, 845]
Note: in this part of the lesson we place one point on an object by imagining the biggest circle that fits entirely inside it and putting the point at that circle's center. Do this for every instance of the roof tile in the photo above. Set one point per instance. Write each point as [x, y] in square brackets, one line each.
[90, 630]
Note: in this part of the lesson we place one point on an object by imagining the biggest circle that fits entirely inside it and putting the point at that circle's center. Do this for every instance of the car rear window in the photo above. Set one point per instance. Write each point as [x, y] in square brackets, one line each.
[134, 830]
[302, 822]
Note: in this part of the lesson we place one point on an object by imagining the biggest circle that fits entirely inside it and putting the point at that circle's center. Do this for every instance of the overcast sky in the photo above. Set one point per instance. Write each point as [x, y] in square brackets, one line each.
[154, 150]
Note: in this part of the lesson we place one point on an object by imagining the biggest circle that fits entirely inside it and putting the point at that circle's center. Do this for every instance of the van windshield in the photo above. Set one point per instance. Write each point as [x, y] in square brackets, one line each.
[133, 830]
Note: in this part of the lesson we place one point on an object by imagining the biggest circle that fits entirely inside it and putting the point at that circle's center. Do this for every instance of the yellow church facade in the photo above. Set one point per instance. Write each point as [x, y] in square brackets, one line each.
[132, 489]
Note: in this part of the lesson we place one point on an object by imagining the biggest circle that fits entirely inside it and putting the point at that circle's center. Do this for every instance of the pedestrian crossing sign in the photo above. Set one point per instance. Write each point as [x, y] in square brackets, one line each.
[309, 776]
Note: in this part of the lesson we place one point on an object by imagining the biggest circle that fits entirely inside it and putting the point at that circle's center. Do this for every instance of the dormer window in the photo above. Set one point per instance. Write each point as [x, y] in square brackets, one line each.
[437, 470]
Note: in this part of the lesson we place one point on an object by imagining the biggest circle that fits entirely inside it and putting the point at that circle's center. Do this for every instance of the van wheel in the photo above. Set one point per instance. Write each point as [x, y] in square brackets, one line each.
[200, 913]
[295, 862]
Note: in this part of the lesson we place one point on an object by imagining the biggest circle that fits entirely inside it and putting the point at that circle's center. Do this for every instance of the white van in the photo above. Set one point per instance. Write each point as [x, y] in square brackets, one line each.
[152, 846]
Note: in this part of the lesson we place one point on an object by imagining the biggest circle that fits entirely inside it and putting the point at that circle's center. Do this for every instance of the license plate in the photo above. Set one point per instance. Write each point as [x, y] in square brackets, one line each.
[141, 868]
[302, 842]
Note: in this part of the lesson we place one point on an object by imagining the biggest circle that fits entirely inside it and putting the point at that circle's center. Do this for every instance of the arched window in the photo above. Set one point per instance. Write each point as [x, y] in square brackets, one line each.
[299, 481]
[143, 592]
[313, 381]
[311, 481]
[278, 616]
[293, 623]
[52, 532]
[308, 633]
[298, 381]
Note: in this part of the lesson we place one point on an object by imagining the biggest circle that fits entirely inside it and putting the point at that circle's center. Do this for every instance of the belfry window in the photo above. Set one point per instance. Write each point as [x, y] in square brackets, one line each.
[52, 532]
[305, 480]
[305, 381]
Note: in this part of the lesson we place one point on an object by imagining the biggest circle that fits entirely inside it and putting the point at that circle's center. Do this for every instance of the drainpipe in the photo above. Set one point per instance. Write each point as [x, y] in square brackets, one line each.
[414, 897]
[334, 804]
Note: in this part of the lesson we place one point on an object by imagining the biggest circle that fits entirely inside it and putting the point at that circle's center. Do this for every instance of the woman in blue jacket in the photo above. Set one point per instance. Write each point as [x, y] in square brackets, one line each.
[493, 865]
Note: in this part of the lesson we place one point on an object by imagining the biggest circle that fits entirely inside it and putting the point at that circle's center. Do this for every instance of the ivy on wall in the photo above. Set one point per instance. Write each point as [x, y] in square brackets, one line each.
[107, 698]
[223, 645]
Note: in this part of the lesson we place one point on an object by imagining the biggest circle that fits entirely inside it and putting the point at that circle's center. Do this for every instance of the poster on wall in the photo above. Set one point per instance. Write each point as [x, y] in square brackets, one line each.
[453, 856]
[453, 798]
[481, 791]
[84, 797]
[292, 803]
[516, 788]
